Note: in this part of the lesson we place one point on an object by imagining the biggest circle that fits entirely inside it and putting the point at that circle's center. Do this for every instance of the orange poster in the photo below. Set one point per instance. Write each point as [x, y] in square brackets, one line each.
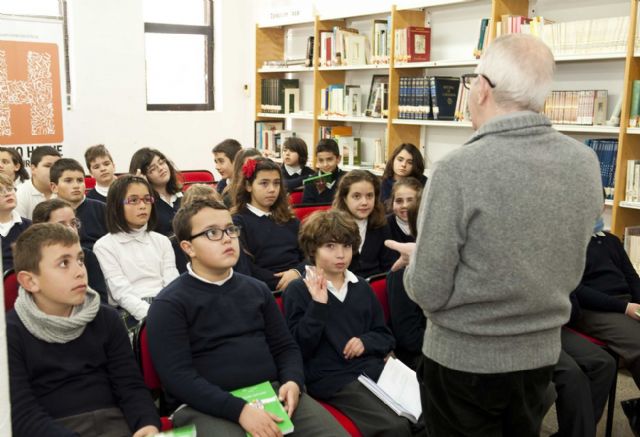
[30, 99]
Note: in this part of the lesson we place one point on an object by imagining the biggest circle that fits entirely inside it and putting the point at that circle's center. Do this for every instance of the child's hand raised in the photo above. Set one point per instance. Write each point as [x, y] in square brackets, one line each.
[354, 348]
[316, 282]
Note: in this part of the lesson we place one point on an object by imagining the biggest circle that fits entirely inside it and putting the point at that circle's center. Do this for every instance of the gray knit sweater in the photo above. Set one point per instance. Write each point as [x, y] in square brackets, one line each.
[502, 238]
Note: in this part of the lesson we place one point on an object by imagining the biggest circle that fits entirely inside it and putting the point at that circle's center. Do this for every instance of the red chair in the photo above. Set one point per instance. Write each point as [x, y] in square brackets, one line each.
[611, 403]
[190, 177]
[302, 211]
[10, 289]
[295, 197]
[151, 378]
[89, 183]
[378, 284]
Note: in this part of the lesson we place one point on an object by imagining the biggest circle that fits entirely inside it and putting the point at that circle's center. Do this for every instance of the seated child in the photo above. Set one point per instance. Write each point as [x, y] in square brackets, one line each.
[12, 164]
[67, 182]
[162, 175]
[224, 154]
[358, 195]
[237, 180]
[269, 228]
[327, 159]
[71, 368]
[137, 263]
[294, 167]
[339, 325]
[29, 194]
[405, 195]
[213, 330]
[405, 161]
[101, 167]
[11, 224]
[59, 211]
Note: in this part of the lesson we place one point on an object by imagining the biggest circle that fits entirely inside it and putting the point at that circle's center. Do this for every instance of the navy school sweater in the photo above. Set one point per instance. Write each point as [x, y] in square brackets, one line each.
[206, 340]
[396, 233]
[95, 277]
[96, 370]
[311, 194]
[12, 236]
[92, 215]
[165, 214]
[608, 274]
[374, 257]
[323, 330]
[221, 185]
[93, 194]
[271, 247]
[291, 182]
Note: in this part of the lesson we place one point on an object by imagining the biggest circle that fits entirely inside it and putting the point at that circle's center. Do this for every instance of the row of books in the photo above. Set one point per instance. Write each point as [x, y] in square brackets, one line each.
[428, 98]
[347, 46]
[270, 135]
[483, 38]
[341, 99]
[607, 150]
[351, 147]
[413, 44]
[632, 190]
[584, 107]
[280, 96]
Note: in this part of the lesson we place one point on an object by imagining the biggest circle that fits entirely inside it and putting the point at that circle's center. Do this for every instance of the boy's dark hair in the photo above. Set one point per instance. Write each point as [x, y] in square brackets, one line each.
[328, 145]
[27, 251]
[116, 221]
[297, 144]
[182, 226]
[142, 160]
[410, 182]
[329, 226]
[22, 172]
[62, 165]
[95, 152]
[417, 171]
[281, 210]
[41, 152]
[229, 147]
[377, 218]
[42, 211]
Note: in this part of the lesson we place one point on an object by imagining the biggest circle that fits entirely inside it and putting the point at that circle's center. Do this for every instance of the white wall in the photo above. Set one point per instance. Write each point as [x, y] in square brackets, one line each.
[108, 80]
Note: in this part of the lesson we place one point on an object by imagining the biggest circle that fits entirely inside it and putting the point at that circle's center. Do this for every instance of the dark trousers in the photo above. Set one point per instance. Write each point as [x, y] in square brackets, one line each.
[583, 377]
[107, 422]
[370, 415]
[456, 403]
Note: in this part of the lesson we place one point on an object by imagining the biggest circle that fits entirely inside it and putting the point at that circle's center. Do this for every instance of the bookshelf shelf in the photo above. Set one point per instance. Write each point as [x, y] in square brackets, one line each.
[352, 119]
[292, 116]
[375, 171]
[630, 205]
[436, 123]
[608, 202]
[384, 67]
[435, 64]
[633, 130]
[587, 129]
[591, 57]
[285, 69]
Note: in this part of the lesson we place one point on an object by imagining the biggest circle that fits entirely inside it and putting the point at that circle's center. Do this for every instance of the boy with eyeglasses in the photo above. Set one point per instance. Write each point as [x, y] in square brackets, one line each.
[213, 330]
[67, 183]
[11, 224]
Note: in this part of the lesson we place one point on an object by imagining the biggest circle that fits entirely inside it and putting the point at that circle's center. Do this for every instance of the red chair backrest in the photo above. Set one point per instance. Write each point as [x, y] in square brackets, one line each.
[89, 183]
[280, 304]
[197, 176]
[303, 211]
[10, 289]
[151, 378]
[295, 197]
[378, 284]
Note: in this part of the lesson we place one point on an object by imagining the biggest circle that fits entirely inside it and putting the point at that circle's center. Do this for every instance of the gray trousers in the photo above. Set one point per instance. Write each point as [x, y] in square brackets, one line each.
[582, 377]
[107, 422]
[309, 419]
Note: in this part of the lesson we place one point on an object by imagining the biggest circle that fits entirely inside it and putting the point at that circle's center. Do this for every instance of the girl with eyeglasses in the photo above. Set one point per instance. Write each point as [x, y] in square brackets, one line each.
[11, 224]
[165, 181]
[58, 211]
[137, 262]
[269, 227]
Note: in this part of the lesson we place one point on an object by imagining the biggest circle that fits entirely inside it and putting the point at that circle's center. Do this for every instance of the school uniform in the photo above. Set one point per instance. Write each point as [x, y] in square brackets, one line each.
[311, 194]
[242, 341]
[399, 230]
[165, 211]
[93, 218]
[272, 247]
[98, 193]
[386, 186]
[293, 176]
[95, 278]
[51, 382]
[27, 197]
[323, 329]
[9, 233]
[373, 256]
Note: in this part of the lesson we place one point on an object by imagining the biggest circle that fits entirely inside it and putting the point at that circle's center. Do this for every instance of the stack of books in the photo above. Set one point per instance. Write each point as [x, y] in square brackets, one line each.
[413, 44]
[429, 98]
[585, 107]
[341, 100]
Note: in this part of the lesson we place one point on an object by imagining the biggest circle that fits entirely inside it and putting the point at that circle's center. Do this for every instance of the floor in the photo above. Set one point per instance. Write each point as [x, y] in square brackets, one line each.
[626, 390]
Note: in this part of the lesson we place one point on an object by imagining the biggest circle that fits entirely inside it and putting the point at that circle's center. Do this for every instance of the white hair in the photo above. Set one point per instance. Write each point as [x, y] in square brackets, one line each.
[522, 68]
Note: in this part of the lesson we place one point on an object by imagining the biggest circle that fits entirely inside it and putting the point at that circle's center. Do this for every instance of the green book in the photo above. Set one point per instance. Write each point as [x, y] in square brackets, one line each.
[184, 431]
[264, 397]
[327, 177]
[634, 112]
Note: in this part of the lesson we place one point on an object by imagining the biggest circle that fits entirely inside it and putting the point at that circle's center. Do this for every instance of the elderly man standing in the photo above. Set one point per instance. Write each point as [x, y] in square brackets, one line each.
[502, 238]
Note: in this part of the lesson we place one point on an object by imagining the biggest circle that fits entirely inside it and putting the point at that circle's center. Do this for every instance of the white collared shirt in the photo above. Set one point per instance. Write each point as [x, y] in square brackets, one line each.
[293, 170]
[200, 278]
[102, 190]
[404, 226]
[341, 294]
[5, 228]
[362, 228]
[27, 197]
[257, 211]
[135, 265]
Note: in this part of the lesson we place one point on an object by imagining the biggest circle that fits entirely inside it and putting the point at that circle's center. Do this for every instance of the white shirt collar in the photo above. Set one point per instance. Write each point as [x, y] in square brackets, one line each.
[36, 193]
[102, 190]
[140, 235]
[257, 211]
[293, 170]
[362, 227]
[599, 234]
[341, 294]
[200, 278]
[404, 226]
[172, 199]
[5, 228]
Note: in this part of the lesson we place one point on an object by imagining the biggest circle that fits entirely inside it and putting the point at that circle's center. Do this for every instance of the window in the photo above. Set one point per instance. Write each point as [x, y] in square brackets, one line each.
[179, 54]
